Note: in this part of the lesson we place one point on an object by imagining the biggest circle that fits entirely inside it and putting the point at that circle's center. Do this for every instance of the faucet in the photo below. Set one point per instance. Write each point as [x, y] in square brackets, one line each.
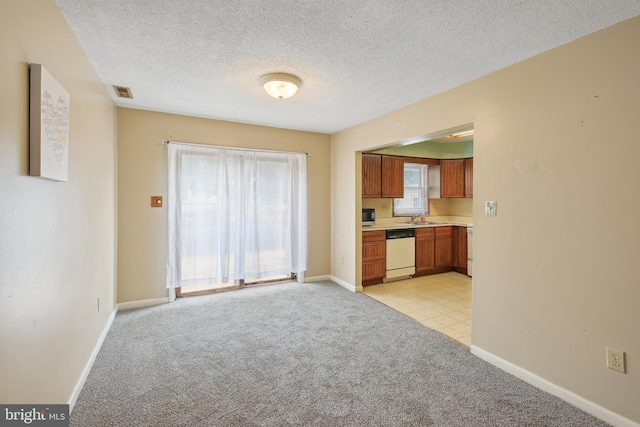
[414, 217]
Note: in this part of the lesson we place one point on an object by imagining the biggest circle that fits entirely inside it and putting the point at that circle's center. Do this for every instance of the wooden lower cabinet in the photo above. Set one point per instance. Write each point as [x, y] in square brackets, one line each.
[374, 256]
[460, 249]
[434, 250]
[425, 251]
[438, 250]
[444, 247]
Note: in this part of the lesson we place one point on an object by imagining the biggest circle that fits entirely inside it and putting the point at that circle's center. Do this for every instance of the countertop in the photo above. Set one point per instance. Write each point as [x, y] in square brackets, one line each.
[413, 225]
[399, 222]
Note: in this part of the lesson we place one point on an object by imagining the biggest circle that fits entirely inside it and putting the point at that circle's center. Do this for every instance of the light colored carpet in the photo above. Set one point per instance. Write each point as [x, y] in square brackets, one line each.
[299, 355]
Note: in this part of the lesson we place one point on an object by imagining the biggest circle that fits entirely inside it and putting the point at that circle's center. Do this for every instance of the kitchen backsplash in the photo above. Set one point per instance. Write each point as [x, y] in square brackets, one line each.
[451, 207]
[437, 207]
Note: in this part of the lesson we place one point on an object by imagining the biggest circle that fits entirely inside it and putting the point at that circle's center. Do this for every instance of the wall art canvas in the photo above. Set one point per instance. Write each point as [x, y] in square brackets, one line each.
[48, 126]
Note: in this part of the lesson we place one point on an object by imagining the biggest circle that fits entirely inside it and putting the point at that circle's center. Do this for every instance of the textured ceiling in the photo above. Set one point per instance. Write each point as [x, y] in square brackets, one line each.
[357, 59]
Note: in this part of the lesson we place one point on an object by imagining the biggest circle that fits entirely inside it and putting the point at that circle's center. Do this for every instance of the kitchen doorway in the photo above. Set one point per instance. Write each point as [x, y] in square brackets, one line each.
[441, 301]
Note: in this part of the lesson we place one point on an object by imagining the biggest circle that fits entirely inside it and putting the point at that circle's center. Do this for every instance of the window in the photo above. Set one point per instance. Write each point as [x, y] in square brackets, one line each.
[416, 199]
[235, 214]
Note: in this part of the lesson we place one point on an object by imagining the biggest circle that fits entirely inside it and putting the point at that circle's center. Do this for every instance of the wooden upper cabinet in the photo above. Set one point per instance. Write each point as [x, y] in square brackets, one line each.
[452, 181]
[392, 177]
[382, 176]
[468, 177]
[371, 175]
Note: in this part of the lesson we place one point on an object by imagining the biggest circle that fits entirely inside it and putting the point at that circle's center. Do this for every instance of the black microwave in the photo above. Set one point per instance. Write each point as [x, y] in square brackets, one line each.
[368, 216]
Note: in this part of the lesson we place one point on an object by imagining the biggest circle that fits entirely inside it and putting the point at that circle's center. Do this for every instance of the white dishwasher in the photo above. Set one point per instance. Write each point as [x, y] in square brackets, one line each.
[401, 253]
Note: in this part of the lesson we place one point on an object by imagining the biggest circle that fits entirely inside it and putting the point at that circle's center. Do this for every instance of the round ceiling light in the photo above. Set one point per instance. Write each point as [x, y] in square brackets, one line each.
[280, 85]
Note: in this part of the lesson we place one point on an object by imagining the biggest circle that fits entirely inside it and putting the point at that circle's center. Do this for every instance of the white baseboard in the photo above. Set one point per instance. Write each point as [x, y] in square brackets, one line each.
[317, 278]
[576, 400]
[142, 303]
[344, 284]
[92, 358]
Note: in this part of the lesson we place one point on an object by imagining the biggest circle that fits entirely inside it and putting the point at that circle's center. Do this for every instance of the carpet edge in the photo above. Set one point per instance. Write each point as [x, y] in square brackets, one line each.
[142, 303]
[92, 358]
[568, 396]
[346, 285]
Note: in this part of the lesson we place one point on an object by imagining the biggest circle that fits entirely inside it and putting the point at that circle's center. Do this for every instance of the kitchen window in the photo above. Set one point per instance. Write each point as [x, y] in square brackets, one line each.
[416, 195]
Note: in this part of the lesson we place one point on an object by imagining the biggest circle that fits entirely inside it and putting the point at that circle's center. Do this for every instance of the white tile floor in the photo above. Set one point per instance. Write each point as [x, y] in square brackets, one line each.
[440, 301]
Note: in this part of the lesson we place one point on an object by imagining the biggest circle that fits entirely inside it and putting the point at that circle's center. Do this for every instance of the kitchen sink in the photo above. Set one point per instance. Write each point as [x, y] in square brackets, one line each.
[420, 223]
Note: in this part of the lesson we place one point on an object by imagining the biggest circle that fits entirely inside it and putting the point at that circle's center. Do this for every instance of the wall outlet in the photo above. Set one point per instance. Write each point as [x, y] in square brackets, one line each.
[98, 304]
[342, 260]
[615, 359]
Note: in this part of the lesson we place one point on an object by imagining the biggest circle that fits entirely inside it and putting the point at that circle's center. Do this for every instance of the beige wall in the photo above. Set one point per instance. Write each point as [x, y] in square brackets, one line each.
[57, 240]
[142, 173]
[555, 273]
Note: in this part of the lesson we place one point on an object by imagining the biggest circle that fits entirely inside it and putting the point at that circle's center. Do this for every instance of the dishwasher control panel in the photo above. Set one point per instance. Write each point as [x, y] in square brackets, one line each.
[401, 233]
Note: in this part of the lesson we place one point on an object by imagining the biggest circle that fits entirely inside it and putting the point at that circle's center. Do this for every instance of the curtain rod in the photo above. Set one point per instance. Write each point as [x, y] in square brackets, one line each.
[233, 148]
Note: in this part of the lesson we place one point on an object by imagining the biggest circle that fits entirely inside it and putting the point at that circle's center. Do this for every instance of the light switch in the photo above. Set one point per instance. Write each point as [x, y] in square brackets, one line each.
[156, 201]
[490, 208]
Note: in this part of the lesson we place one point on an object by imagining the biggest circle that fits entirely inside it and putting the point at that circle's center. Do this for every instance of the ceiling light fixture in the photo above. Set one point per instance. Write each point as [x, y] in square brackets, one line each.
[461, 134]
[280, 85]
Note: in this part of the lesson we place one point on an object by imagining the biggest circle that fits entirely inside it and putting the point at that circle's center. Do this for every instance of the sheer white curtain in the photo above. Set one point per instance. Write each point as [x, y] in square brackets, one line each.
[235, 214]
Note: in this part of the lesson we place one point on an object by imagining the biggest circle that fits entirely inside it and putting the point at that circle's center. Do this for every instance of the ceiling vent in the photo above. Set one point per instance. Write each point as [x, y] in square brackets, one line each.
[123, 92]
